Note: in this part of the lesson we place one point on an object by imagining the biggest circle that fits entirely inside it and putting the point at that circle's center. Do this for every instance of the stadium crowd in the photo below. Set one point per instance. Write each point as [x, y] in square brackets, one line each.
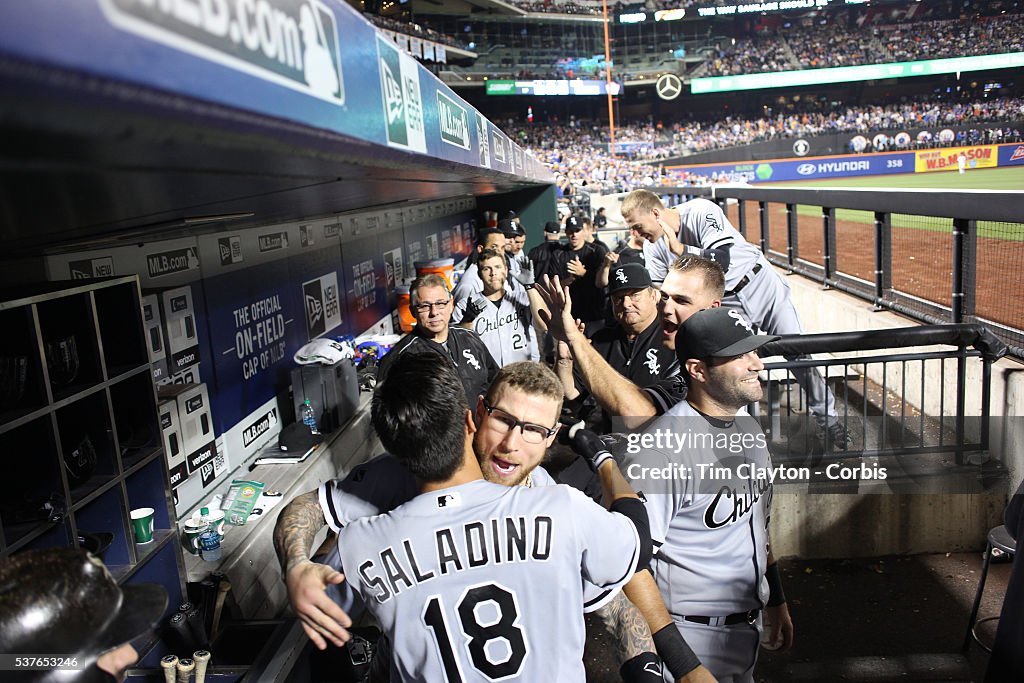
[830, 45]
[579, 150]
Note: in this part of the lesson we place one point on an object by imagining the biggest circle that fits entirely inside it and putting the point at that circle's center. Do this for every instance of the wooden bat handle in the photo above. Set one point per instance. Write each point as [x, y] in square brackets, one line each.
[185, 667]
[222, 594]
[202, 658]
[169, 664]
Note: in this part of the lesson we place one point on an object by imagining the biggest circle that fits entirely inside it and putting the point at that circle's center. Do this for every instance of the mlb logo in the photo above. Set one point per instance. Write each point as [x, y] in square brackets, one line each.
[449, 500]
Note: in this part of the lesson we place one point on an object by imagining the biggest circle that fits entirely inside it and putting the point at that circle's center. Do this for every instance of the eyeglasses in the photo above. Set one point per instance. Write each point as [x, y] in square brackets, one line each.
[427, 306]
[504, 423]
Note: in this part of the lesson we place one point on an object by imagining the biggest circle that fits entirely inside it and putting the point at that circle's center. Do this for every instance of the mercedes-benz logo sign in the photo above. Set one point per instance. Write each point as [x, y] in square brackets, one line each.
[801, 147]
[669, 86]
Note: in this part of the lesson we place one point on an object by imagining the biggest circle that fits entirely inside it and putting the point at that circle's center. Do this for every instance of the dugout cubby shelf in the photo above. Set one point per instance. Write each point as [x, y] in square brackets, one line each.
[78, 429]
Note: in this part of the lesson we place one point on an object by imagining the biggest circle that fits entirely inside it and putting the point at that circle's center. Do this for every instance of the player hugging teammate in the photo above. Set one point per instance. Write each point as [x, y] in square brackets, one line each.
[479, 567]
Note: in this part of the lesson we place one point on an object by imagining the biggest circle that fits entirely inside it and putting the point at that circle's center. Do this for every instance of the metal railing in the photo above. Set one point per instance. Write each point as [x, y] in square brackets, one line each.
[892, 404]
[938, 256]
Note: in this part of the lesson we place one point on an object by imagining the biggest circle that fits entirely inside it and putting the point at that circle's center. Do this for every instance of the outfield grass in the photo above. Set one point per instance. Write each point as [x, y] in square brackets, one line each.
[1011, 178]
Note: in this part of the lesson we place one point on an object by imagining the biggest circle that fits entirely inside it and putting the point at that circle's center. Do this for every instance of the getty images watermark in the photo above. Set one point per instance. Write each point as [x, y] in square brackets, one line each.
[696, 455]
[726, 448]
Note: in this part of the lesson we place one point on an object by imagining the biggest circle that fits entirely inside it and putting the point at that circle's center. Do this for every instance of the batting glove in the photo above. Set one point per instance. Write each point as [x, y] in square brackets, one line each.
[590, 446]
[526, 276]
[476, 305]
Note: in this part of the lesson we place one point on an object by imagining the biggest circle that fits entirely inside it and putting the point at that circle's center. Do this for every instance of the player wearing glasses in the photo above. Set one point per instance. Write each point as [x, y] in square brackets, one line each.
[432, 305]
[516, 422]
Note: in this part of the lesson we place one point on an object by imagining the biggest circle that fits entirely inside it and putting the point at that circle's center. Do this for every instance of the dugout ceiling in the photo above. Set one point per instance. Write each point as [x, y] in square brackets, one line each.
[124, 122]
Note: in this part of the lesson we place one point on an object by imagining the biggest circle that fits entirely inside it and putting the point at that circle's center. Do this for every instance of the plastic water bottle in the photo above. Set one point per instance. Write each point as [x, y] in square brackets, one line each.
[309, 417]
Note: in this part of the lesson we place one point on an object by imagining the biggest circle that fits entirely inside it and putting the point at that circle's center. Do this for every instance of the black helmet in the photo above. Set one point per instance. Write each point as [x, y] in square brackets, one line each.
[64, 602]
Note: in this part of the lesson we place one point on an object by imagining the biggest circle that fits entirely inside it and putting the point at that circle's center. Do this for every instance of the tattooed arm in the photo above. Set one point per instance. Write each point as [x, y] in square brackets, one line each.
[643, 593]
[627, 626]
[322, 619]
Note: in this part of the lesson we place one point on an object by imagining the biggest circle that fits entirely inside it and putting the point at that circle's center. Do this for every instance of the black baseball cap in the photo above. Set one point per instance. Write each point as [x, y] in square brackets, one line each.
[717, 333]
[553, 227]
[297, 438]
[509, 228]
[573, 224]
[628, 276]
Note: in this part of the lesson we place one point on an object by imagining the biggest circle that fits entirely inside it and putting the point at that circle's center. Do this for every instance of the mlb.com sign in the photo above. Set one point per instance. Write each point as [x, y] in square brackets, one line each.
[293, 43]
[454, 121]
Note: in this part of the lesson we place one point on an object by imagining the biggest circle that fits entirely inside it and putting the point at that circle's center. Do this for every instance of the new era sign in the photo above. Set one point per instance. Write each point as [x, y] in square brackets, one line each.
[323, 307]
[403, 104]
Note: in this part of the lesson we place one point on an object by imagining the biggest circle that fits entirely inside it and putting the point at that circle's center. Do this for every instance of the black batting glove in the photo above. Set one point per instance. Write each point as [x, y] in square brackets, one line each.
[590, 447]
[476, 305]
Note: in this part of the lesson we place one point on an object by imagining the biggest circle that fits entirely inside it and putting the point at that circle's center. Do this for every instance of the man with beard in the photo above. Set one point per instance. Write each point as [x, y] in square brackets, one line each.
[753, 288]
[519, 281]
[709, 522]
[504, 325]
[516, 424]
[470, 579]
[692, 284]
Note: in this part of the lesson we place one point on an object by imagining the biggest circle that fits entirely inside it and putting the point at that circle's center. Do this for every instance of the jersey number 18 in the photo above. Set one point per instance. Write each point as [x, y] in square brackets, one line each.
[503, 627]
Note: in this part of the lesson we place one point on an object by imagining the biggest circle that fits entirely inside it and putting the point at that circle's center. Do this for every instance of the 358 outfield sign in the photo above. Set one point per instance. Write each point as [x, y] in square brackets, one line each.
[293, 43]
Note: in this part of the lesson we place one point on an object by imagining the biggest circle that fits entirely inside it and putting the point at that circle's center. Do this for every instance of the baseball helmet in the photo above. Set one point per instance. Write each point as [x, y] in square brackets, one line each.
[64, 601]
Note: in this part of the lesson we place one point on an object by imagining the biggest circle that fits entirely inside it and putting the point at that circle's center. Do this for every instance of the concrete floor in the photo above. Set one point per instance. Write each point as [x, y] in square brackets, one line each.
[882, 619]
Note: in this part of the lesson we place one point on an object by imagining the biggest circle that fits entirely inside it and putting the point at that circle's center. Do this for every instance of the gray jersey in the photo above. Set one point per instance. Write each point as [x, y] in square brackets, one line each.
[703, 225]
[709, 528]
[764, 297]
[480, 582]
[382, 484]
[506, 328]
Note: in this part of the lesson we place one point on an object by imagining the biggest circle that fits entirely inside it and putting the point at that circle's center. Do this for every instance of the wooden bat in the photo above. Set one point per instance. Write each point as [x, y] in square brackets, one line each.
[202, 658]
[222, 594]
[185, 667]
[169, 664]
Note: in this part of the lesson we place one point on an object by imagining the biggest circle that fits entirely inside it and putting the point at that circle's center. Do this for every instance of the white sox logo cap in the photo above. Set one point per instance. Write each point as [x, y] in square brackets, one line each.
[717, 333]
[628, 276]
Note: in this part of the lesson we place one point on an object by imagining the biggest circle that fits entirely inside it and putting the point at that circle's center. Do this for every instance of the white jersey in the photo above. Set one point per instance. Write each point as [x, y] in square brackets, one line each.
[506, 328]
[481, 582]
[709, 527]
[380, 485]
[470, 284]
[703, 225]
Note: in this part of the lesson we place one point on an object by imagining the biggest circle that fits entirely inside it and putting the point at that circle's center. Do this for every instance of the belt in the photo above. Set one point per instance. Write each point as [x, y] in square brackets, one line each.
[731, 620]
[745, 280]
